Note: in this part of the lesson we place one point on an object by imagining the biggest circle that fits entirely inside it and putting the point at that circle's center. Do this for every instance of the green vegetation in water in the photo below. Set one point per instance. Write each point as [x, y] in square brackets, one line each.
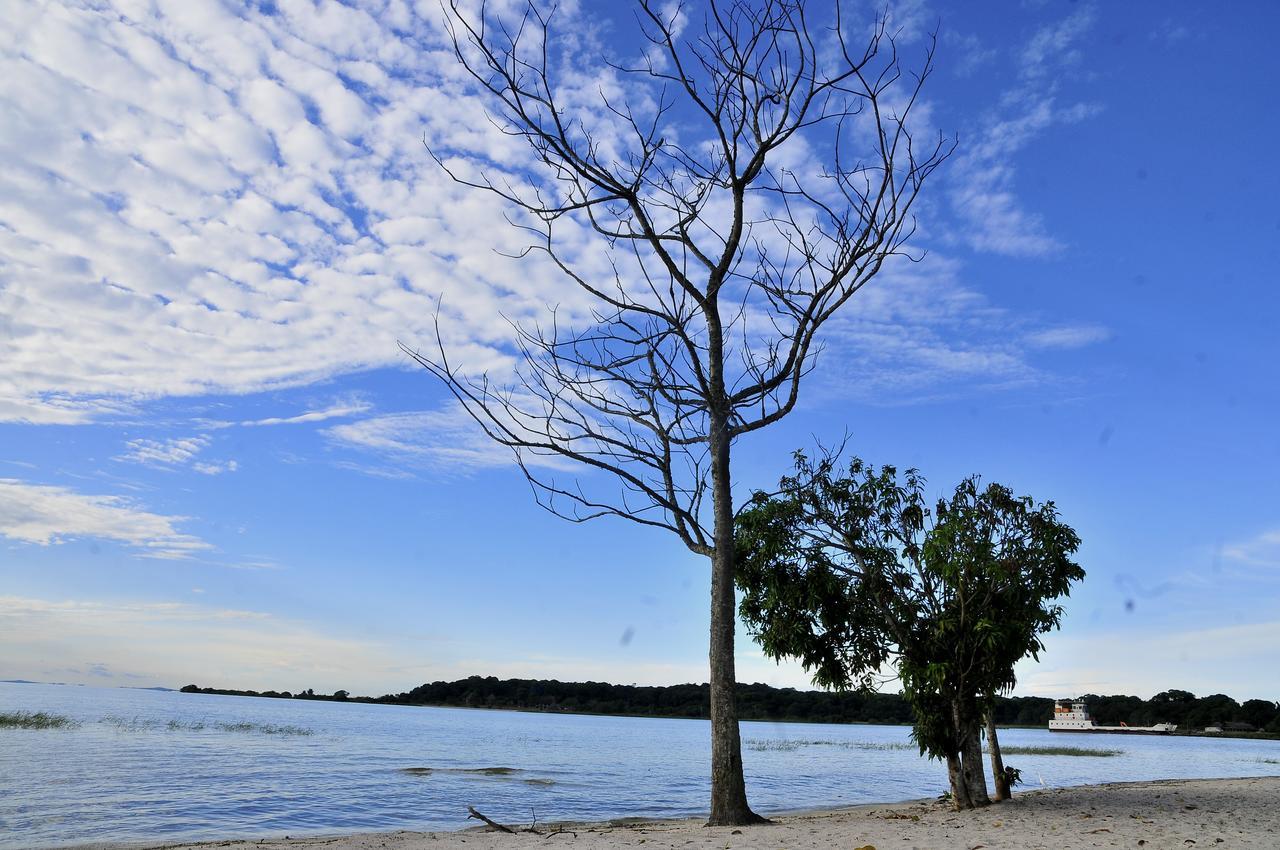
[474, 771]
[35, 720]
[263, 728]
[502, 772]
[138, 724]
[1268, 761]
[787, 745]
[1058, 751]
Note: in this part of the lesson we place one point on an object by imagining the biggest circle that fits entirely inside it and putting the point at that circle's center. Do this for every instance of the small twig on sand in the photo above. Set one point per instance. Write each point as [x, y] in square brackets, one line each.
[559, 832]
[489, 821]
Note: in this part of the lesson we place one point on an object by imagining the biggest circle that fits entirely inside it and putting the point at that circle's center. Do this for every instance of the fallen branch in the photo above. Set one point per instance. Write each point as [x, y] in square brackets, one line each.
[489, 821]
[557, 832]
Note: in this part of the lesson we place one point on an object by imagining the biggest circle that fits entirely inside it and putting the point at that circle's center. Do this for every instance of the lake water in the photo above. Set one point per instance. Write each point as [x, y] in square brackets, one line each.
[147, 765]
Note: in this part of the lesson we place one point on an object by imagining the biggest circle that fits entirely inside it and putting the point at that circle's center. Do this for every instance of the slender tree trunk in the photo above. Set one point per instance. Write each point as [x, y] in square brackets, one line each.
[959, 791]
[975, 776]
[728, 788]
[998, 778]
[966, 730]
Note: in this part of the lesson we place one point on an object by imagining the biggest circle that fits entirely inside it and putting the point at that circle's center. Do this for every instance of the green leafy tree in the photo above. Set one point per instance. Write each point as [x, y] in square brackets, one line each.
[1259, 712]
[1171, 706]
[853, 573]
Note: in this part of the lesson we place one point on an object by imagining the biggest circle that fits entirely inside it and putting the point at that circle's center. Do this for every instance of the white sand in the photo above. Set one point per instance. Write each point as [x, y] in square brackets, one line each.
[1220, 813]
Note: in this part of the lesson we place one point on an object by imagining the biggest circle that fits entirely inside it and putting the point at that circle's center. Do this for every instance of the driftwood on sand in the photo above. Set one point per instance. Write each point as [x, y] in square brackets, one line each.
[473, 813]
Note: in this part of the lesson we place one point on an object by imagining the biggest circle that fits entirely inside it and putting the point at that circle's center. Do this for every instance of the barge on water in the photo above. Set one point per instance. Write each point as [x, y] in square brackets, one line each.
[1072, 715]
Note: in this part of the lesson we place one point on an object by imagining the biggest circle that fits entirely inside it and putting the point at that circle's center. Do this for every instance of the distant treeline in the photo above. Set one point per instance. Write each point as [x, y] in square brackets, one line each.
[762, 702]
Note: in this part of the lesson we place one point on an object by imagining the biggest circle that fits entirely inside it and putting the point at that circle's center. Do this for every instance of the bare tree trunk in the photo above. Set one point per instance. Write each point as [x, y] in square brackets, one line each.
[966, 731]
[728, 788]
[998, 778]
[959, 791]
[975, 776]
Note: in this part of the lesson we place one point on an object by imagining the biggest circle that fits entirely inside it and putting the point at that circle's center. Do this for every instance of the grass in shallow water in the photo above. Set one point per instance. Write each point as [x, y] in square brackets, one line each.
[35, 720]
[478, 771]
[138, 724]
[1058, 751]
[264, 728]
[537, 781]
[787, 745]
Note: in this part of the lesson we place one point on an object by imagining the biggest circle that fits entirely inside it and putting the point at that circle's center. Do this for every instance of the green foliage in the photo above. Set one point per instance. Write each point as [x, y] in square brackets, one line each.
[850, 571]
[1185, 709]
[755, 701]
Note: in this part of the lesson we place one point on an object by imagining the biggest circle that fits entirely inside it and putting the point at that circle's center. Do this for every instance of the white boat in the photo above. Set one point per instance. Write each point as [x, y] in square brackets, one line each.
[1072, 715]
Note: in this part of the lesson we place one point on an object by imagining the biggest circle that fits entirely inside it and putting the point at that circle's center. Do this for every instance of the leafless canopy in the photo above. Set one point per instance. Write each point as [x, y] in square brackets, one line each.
[723, 255]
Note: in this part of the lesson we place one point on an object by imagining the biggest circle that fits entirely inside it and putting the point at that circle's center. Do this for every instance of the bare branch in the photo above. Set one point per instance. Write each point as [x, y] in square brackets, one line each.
[722, 267]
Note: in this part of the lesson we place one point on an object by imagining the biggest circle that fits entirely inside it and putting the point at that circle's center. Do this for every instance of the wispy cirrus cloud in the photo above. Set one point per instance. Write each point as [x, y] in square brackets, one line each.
[1056, 45]
[170, 452]
[921, 332]
[46, 514]
[442, 439]
[175, 453]
[206, 468]
[335, 411]
[984, 192]
[1262, 550]
[1075, 336]
[972, 53]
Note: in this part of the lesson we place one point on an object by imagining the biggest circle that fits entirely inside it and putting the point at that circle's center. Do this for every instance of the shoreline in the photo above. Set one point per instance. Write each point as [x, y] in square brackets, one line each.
[1164, 813]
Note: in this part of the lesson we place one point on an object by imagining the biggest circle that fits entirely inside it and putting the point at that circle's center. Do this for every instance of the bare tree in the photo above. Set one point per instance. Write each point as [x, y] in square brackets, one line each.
[722, 264]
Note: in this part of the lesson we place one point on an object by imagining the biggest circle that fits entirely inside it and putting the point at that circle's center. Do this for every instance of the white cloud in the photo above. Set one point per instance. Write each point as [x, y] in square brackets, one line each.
[336, 411]
[386, 472]
[972, 53]
[175, 643]
[438, 439]
[215, 468]
[169, 452]
[208, 202]
[1262, 550]
[983, 176]
[48, 408]
[225, 200]
[175, 452]
[1216, 659]
[44, 515]
[1055, 45]
[918, 332]
[1068, 337]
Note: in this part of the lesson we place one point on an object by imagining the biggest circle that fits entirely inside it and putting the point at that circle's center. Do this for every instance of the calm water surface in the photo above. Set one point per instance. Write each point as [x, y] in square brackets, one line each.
[146, 765]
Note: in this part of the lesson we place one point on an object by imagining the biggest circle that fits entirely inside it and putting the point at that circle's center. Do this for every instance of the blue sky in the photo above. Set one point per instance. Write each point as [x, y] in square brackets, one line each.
[216, 222]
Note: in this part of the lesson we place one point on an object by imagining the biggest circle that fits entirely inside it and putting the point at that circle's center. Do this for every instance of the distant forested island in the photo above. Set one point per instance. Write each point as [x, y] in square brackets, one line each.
[763, 702]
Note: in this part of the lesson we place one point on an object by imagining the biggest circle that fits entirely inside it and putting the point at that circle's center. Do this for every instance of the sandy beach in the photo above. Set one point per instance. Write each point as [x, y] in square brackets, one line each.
[1225, 813]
